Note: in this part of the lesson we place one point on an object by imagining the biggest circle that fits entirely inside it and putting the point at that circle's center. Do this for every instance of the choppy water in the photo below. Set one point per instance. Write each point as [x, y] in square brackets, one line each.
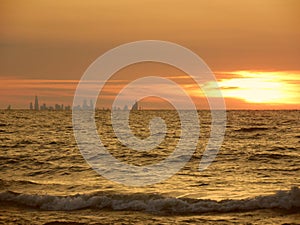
[254, 179]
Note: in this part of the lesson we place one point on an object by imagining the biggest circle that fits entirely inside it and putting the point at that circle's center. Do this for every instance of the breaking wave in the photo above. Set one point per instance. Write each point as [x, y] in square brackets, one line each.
[286, 200]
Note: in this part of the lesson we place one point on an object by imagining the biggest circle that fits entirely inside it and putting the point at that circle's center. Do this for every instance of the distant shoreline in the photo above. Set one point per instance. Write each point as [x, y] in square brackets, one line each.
[227, 110]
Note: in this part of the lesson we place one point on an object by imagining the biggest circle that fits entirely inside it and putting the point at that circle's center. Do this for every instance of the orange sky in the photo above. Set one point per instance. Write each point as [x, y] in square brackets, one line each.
[252, 46]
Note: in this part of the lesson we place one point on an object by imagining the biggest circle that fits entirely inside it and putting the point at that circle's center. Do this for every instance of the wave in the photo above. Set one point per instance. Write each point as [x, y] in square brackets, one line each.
[16, 182]
[253, 129]
[270, 156]
[286, 200]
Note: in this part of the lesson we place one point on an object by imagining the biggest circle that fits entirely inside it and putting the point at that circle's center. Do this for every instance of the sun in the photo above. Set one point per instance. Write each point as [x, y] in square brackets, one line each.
[258, 87]
[280, 89]
[256, 90]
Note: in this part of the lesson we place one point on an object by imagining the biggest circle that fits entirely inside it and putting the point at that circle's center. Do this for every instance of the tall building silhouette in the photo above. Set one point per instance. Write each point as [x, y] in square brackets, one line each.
[36, 103]
[31, 106]
[91, 104]
[84, 105]
[135, 106]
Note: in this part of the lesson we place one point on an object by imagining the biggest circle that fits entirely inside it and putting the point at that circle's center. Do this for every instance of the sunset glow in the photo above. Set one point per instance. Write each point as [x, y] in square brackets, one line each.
[240, 89]
[262, 87]
[251, 46]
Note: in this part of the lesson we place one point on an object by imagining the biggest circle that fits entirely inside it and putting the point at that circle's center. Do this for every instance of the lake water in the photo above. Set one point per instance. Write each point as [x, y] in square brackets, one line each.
[254, 179]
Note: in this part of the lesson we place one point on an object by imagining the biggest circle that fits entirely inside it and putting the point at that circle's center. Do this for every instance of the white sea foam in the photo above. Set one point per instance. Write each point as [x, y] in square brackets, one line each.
[287, 200]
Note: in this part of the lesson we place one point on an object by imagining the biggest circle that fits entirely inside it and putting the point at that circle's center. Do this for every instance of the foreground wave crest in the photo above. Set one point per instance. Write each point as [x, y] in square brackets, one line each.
[287, 200]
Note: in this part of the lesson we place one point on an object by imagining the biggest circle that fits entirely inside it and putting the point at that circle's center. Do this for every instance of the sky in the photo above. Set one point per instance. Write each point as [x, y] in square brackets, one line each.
[253, 48]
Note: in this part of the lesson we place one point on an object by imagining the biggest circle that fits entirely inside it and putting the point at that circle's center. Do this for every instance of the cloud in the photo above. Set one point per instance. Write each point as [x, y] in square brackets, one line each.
[243, 88]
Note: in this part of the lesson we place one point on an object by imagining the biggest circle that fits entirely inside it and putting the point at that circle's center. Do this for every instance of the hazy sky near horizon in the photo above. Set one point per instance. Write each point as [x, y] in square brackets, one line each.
[58, 40]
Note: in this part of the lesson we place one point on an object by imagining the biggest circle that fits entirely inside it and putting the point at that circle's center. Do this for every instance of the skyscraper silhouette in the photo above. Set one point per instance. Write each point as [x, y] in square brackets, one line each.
[135, 106]
[36, 103]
